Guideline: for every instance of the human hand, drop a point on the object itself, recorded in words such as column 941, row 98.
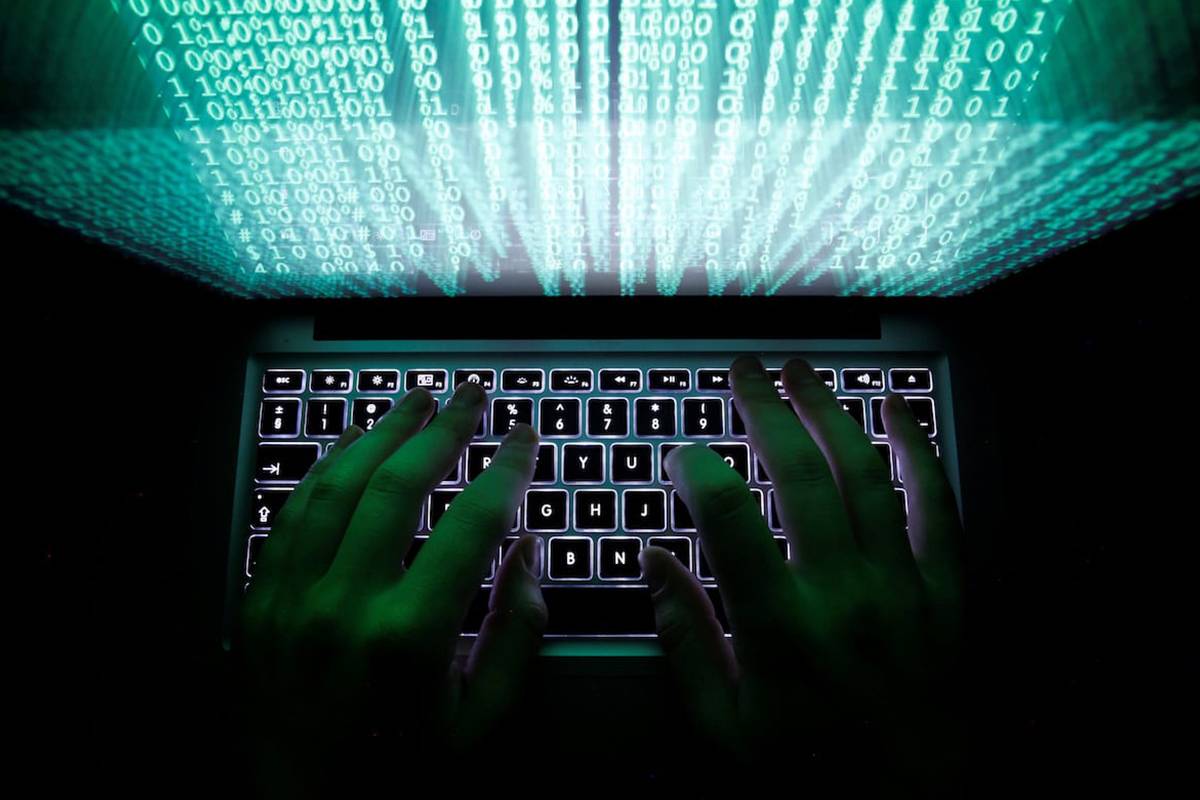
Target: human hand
column 343, row 644
column 851, row 647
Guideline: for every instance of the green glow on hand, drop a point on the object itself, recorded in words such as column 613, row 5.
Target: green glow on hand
column 387, row 147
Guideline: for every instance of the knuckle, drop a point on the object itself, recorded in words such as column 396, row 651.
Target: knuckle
column 330, row 488
column 800, row 469
column 396, row 478
column 473, row 510
column 868, row 471
column 723, row 498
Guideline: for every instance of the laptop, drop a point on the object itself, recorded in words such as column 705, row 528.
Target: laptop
column 590, row 208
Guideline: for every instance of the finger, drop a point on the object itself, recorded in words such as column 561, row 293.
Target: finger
column 288, row 523
column 381, row 528
column 509, row 639
column 697, row 653
column 934, row 528
column 755, row 583
column 454, row 559
column 395, row 428
column 863, row 477
column 806, row 497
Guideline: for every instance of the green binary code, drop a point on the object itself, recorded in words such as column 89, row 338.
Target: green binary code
column 399, row 147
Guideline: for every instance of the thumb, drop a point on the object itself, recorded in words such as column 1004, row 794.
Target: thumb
column 508, row 640
column 698, row 654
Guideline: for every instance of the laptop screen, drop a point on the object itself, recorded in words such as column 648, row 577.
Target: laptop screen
column 341, row 148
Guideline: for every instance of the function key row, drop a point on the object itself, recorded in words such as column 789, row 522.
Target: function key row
column 533, row 380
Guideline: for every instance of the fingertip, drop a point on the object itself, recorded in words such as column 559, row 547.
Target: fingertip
column 799, row 372
column 745, row 364
column 522, row 434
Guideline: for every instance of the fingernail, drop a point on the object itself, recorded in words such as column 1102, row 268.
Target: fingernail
column 652, row 569
column 747, row 366
column 669, row 461
column 529, row 554
column 418, row 400
column 523, row 433
column 469, row 394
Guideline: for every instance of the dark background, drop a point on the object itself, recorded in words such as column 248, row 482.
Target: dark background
column 1074, row 404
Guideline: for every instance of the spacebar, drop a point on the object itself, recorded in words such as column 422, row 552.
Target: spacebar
column 595, row 610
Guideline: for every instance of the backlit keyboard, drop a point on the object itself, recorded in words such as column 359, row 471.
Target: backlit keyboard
column 599, row 493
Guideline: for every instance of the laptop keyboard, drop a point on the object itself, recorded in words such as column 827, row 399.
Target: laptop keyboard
column 599, row 493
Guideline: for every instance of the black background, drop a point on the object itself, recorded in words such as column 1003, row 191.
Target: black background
column 1076, row 426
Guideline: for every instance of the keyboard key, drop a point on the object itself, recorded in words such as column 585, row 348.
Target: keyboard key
column 902, row 497
column 455, row 473
column 862, row 380
column 486, row 378
column 439, row 501
column 331, row 381
column 775, row 376
column 508, row 412
column 921, row 408
column 326, row 419
column 885, row 452
column 712, row 380
column 479, row 458
column 596, row 510
column 645, row 510
column 367, row 411
column 663, row 450
column 856, row 408
column 608, row 417
column 431, row 380
column 509, row 541
column 379, row 380
column 632, row 463
column 570, row 380
column 737, row 426
column 620, row 380
column 703, row 570
column 679, row 546
column 559, row 416
column 785, row 550
column 279, row 418
column 619, row 558
column 773, row 521
column 655, row 416
column 413, row 549
column 522, row 380
column 254, row 547
column 829, row 376
column 546, row 510
column 670, row 380
column 570, row 558
column 583, row 463
column 545, row 469
column 681, row 518
column 283, row 381
column 910, row 380
column 760, row 471
column 703, row 416
column 285, row 463
column 758, row 495
column 736, row 455
column 266, row 505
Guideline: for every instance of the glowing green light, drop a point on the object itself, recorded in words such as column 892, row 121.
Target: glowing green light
column 382, row 147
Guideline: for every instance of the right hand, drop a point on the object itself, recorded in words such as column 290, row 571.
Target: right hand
column 853, row 644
